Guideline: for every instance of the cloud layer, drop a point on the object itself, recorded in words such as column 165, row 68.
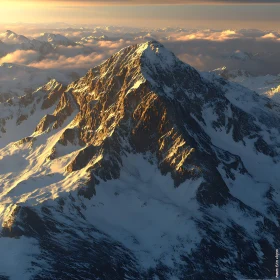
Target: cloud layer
column 252, row 50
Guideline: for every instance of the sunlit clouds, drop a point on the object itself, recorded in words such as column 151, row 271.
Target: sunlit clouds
column 205, row 49
column 269, row 36
column 210, row 35
column 20, row 57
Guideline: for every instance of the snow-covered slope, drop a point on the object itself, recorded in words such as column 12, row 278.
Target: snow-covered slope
column 17, row 80
column 13, row 38
column 12, row 41
column 142, row 169
column 268, row 85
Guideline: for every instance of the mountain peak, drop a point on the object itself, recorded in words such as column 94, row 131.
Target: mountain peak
column 52, row 35
column 150, row 50
column 55, row 39
column 159, row 65
column 150, row 63
column 156, row 53
column 6, row 34
column 231, row 73
column 153, row 47
column 11, row 37
column 141, row 137
column 152, row 44
column 10, row 32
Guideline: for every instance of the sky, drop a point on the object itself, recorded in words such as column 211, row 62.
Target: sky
column 184, row 13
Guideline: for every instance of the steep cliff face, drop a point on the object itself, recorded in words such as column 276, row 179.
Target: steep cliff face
column 143, row 169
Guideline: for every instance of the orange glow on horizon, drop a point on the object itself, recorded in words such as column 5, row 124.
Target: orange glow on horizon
column 32, row 3
column 126, row 13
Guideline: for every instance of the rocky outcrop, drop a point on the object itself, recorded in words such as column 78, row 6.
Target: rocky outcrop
column 45, row 123
column 54, row 90
column 71, row 136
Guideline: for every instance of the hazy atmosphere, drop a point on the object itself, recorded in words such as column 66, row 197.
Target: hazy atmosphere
column 187, row 14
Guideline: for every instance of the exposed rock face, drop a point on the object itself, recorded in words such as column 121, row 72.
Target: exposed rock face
column 55, row 91
column 70, row 135
column 145, row 131
column 232, row 74
column 45, row 123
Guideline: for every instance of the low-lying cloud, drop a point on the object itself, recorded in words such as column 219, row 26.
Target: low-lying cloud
column 20, row 57
column 74, row 62
column 253, row 50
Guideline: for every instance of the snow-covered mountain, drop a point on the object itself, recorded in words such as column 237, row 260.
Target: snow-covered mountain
column 56, row 39
column 17, row 80
column 232, row 74
column 12, row 41
column 90, row 39
column 142, row 169
column 268, row 85
column 241, row 55
column 13, row 38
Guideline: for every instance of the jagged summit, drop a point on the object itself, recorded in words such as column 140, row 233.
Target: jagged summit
column 152, row 51
column 12, row 37
column 149, row 62
column 10, row 32
column 151, row 54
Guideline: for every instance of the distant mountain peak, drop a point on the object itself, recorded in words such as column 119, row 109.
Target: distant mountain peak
column 56, row 39
column 144, row 160
column 23, row 43
column 241, row 55
column 9, row 32
column 231, row 73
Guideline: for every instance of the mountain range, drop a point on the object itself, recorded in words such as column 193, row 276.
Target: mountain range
column 267, row 85
column 10, row 41
column 56, row 40
column 45, row 46
column 144, row 168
